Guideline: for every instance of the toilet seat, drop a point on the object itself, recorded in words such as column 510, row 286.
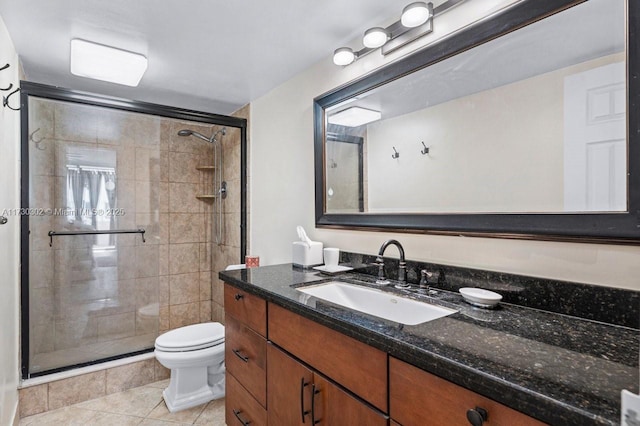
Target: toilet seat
column 191, row 338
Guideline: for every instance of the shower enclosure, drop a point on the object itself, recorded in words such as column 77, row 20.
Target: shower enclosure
column 122, row 223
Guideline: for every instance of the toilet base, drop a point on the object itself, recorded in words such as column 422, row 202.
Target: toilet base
column 189, row 387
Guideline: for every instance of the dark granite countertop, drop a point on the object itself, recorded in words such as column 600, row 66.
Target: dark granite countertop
column 560, row 369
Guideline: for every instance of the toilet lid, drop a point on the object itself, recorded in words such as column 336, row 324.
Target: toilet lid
column 191, row 338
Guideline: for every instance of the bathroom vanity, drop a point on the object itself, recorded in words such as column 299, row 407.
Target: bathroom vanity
column 294, row 359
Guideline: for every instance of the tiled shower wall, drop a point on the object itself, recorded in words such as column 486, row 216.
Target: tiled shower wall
column 82, row 308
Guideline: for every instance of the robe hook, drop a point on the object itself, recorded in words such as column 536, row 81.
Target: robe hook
column 396, row 154
column 5, row 100
column 425, row 150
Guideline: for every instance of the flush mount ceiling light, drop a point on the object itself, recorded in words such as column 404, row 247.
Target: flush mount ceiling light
column 354, row 117
column 106, row 63
column 416, row 21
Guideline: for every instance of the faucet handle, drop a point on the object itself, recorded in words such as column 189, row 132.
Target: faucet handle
column 428, row 277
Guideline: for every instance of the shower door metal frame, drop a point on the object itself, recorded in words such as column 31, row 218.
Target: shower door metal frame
column 38, row 90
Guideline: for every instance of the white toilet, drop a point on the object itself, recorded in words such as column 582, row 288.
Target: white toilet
column 195, row 355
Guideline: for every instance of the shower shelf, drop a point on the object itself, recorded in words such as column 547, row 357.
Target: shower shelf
column 206, row 168
column 206, row 197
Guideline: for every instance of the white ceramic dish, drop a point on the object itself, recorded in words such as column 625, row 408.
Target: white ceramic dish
column 332, row 269
column 480, row 297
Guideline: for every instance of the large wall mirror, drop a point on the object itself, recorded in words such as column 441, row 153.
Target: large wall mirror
column 524, row 125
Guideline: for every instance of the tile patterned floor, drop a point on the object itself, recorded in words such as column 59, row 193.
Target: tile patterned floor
column 141, row 406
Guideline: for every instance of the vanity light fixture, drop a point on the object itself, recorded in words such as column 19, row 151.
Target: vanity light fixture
column 416, row 21
column 106, row 63
column 354, row 117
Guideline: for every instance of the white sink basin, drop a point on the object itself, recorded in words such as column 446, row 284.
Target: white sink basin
column 376, row 302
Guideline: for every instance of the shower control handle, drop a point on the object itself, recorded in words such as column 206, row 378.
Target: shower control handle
column 3, row 220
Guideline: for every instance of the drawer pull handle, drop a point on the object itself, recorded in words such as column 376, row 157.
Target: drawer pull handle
column 237, row 414
column 239, row 355
column 302, row 410
column 238, row 296
column 314, row 392
column 477, row 416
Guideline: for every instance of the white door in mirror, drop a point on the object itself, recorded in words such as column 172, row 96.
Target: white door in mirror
column 480, row 297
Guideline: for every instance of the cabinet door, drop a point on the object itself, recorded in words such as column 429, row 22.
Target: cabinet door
column 418, row 398
column 334, row 407
column 288, row 389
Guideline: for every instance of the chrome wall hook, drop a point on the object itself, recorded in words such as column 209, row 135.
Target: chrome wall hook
column 5, row 67
column 5, row 100
column 425, row 150
column 395, row 154
column 7, row 88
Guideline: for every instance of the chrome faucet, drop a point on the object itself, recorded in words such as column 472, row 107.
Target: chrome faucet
column 402, row 266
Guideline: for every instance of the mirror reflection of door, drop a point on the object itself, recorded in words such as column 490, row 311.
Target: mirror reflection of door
column 595, row 140
column 344, row 174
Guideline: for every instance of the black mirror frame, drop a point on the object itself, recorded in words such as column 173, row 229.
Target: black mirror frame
column 617, row 228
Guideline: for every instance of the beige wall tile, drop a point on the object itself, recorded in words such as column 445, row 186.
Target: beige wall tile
column 147, row 261
column 217, row 312
column 163, row 290
column 185, row 227
column 184, row 288
column 163, row 320
column 163, row 197
column 165, row 133
column 182, row 167
column 151, row 223
column 184, row 258
column 126, row 262
column 126, row 162
column 205, row 311
column 75, row 122
column 181, row 315
column 205, row 285
column 41, row 268
column 76, row 389
column 41, row 310
column 182, row 198
column 73, row 334
column 217, row 290
column 34, row 400
column 163, row 256
column 205, row 256
column 164, row 166
column 147, row 291
column 130, row 376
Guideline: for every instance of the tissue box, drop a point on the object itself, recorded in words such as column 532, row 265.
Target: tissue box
column 305, row 256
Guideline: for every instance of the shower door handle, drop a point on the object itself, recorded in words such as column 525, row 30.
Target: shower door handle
column 3, row 220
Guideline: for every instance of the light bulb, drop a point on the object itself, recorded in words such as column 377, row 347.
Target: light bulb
column 343, row 56
column 375, row 37
column 415, row 14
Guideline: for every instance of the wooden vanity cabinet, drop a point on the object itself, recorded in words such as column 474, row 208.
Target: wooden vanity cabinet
column 245, row 358
column 418, row 398
column 299, row 396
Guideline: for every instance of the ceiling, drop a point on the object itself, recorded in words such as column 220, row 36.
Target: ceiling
column 207, row 55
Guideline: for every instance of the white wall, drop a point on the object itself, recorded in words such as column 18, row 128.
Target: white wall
column 282, row 193
column 9, row 235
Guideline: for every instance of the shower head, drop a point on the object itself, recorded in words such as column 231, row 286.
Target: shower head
column 186, row 132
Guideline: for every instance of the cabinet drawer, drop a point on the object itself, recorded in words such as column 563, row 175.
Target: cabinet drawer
column 245, row 358
column 247, row 308
column 240, row 407
column 355, row 365
column 420, row 398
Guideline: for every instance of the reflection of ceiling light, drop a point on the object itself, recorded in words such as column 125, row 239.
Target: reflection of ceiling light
column 415, row 14
column 375, row 37
column 354, row 117
column 343, row 56
column 106, row 63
